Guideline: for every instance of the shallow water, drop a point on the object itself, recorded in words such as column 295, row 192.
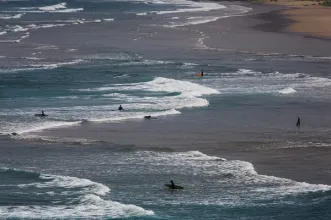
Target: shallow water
column 146, row 56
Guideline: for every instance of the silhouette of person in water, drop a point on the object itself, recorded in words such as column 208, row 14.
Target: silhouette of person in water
column 298, row 122
column 120, row 108
column 201, row 72
column 172, row 184
column 42, row 113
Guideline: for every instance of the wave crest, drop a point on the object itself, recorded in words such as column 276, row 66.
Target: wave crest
column 79, row 198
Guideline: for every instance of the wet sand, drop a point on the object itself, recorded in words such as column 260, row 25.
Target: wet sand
column 263, row 30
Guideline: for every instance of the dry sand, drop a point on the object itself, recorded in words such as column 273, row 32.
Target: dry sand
column 310, row 18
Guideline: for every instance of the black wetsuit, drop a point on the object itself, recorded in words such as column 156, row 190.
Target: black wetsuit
column 298, row 122
column 172, row 184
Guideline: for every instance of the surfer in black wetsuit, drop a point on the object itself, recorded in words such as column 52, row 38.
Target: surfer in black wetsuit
column 298, row 122
column 120, row 108
column 172, row 184
column 201, row 72
column 42, row 113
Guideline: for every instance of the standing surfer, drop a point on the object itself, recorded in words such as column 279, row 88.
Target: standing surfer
column 298, row 122
column 172, row 184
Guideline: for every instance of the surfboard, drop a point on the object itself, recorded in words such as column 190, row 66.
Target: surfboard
column 40, row 115
column 176, row 186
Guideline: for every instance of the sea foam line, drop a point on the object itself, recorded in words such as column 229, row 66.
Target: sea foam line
column 57, row 8
column 7, row 17
column 85, row 199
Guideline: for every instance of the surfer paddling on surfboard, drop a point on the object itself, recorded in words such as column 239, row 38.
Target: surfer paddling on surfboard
column 41, row 115
column 173, row 186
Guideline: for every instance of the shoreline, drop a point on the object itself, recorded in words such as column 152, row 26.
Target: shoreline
column 308, row 17
column 267, row 29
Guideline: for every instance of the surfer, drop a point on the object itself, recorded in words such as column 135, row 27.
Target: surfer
column 298, row 122
column 120, row 108
column 172, row 184
column 201, row 74
column 148, row 117
column 41, row 115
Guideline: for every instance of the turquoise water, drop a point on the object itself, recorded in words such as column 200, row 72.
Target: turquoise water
column 78, row 61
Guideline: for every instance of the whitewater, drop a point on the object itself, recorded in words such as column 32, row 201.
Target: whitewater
column 228, row 138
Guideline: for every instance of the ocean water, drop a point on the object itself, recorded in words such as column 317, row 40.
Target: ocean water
column 79, row 60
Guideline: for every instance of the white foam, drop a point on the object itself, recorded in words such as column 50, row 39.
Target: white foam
column 45, row 26
column 141, row 14
column 288, row 90
column 7, row 17
column 3, row 33
column 195, row 21
column 67, row 97
column 188, row 65
column 33, row 58
column 236, row 178
column 40, row 66
column 51, row 139
column 112, row 56
column 187, row 89
column 108, row 19
column 54, row 7
column 39, row 126
column 25, row 35
column 57, row 8
column 69, row 182
column 18, row 28
column 197, row 155
column 84, row 201
column 145, row 62
column 55, row 65
column 191, row 6
column 161, row 84
column 46, row 47
column 92, row 207
column 189, row 95
column 136, row 115
column 245, row 81
column 70, row 10
column 122, row 76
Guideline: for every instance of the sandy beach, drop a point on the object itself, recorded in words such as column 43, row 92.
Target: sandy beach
column 309, row 17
